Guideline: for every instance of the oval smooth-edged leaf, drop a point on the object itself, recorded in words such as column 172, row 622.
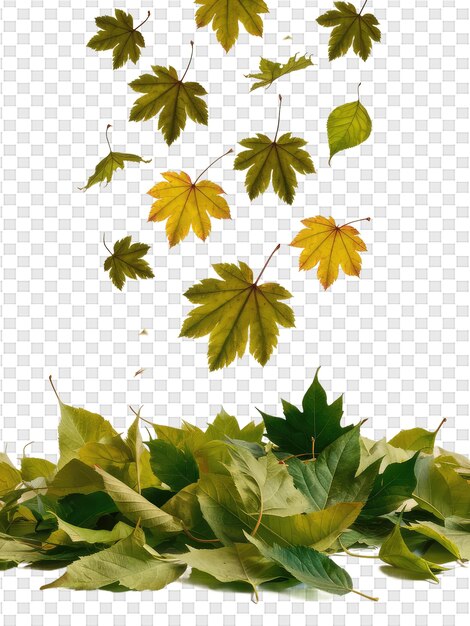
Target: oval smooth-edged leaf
column 348, row 126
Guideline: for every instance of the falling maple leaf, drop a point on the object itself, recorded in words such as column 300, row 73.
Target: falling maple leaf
column 106, row 167
column 126, row 261
column 331, row 246
column 269, row 71
column 186, row 204
column 350, row 28
column 231, row 307
column 277, row 159
column 175, row 99
column 225, row 15
column 118, row 34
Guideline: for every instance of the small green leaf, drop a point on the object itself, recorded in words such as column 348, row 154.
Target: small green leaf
column 350, row 28
column 451, row 536
column 118, row 34
column 126, row 262
column 226, row 426
column 416, row 439
column 348, row 126
column 113, row 161
column 269, row 71
column 395, row 552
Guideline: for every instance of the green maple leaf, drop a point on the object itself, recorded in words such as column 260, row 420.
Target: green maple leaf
column 231, row 307
column 126, row 261
column 319, row 421
column 269, row 71
column 118, row 34
column 276, row 159
column 350, row 28
column 348, row 126
column 332, row 477
column 170, row 96
column 113, row 161
column 225, row 15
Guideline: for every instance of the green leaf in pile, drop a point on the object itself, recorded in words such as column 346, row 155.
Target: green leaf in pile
column 125, row 261
column 264, row 485
column 127, row 562
column 273, row 159
column 318, row 424
column 88, row 535
column 269, row 71
column 176, row 100
column 32, row 468
column 440, row 490
column 176, row 467
column 451, row 536
column 119, row 35
column 75, row 477
column 84, row 509
column 15, row 551
column 372, row 451
column 331, row 478
column 348, row 126
column 77, row 427
column 458, row 462
column 309, row 567
column 225, row 425
column 239, row 562
column 416, row 439
column 391, row 488
column 396, row 553
column 224, row 511
column 350, row 28
column 136, row 508
column 113, row 161
column 10, row 477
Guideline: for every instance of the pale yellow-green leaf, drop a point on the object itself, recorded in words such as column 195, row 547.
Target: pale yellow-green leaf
column 348, row 126
column 127, row 562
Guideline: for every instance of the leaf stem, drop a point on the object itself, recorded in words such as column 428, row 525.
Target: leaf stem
column 359, row 556
column 363, row 6
column 148, row 15
column 364, row 595
column 278, row 118
column 104, row 243
column 441, row 425
column 358, row 90
column 190, row 59
column 54, row 389
column 213, row 163
column 362, row 219
column 260, row 516
column 267, row 262
column 107, row 139
column 191, row 536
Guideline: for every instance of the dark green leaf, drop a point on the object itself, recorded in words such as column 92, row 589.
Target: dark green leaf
column 126, row 262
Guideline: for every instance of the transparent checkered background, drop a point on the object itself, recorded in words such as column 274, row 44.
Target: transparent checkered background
column 396, row 341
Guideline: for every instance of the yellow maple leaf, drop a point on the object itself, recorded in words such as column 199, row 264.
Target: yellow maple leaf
column 186, row 204
column 329, row 245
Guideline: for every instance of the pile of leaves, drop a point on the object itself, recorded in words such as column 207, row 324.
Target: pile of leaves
column 277, row 500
